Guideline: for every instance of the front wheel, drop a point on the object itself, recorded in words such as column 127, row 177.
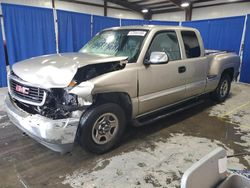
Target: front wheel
column 101, row 128
column 223, row 89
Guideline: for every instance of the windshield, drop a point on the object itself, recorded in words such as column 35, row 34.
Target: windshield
column 117, row 43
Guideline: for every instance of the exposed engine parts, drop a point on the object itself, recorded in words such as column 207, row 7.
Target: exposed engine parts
column 90, row 71
column 59, row 104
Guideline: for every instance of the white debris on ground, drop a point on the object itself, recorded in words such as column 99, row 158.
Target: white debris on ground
column 3, row 93
column 236, row 110
column 3, row 125
column 161, row 167
column 3, row 116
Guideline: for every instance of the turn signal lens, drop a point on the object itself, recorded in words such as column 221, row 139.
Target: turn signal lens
column 72, row 83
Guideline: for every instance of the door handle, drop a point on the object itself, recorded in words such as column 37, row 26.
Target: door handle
column 182, row 69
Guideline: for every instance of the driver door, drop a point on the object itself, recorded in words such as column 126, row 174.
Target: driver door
column 162, row 84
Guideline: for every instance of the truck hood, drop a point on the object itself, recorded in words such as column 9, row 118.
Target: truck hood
column 57, row 71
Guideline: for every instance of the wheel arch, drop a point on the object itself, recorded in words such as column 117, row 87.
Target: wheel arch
column 121, row 98
column 230, row 72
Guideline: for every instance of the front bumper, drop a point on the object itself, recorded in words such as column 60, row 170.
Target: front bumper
column 58, row 135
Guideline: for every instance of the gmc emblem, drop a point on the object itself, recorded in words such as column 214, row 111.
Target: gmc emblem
column 23, row 90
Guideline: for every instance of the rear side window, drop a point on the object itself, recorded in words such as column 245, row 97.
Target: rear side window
column 191, row 44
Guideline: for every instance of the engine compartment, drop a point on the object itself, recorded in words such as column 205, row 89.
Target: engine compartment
column 90, row 71
column 59, row 104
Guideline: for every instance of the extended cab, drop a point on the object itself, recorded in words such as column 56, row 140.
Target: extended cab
column 121, row 76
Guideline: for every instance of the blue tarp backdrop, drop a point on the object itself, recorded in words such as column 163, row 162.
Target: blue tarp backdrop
column 125, row 22
column 29, row 31
column 3, row 80
column 101, row 22
column 245, row 68
column 74, row 30
column 220, row 34
column 158, row 22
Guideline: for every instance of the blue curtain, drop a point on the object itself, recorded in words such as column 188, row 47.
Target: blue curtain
column 220, row 34
column 158, row 22
column 74, row 30
column 101, row 22
column 3, row 80
column 126, row 22
column 29, row 31
column 245, row 67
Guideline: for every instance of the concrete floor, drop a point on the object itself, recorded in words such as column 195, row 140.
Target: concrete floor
column 151, row 156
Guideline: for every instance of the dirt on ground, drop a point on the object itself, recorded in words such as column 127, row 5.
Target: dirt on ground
column 155, row 155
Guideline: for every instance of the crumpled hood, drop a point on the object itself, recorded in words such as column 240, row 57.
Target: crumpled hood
column 57, row 70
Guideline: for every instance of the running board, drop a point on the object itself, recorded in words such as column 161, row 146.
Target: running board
column 166, row 113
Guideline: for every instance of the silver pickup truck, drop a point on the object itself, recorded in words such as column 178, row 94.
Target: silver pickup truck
column 121, row 76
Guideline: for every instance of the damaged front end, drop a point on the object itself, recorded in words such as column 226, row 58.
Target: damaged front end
column 56, row 134
column 59, row 103
column 54, row 103
column 73, row 100
column 51, row 115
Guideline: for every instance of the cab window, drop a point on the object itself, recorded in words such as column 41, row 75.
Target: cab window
column 191, row 43
column 166, row 42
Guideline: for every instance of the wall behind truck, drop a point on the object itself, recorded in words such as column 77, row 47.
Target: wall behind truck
column 210, row 12
column 112, row 12
column 3, row 79
column 220, row 11
column 172, row 16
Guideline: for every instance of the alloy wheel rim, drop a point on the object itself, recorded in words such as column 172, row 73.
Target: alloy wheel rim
column 105, row 128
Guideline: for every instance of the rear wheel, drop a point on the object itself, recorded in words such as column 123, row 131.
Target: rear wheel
column 223, row 88
column 101, row 128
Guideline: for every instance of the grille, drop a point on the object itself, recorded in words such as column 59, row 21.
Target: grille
column 25, row 93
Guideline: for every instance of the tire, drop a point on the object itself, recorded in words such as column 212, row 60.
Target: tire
column 101, row 128
column 223, row 89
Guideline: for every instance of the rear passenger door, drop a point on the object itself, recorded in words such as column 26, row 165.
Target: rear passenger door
column 195, row 63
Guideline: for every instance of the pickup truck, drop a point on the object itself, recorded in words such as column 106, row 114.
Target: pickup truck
column 122, row 75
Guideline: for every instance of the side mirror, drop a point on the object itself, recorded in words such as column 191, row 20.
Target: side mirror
column 157, row 58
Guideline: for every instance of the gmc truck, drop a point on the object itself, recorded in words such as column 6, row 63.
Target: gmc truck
column 120, row 77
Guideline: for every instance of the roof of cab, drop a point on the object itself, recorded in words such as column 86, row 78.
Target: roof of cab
column 151, row 27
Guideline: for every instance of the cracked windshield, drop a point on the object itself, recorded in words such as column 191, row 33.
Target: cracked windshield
column 117, row 43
